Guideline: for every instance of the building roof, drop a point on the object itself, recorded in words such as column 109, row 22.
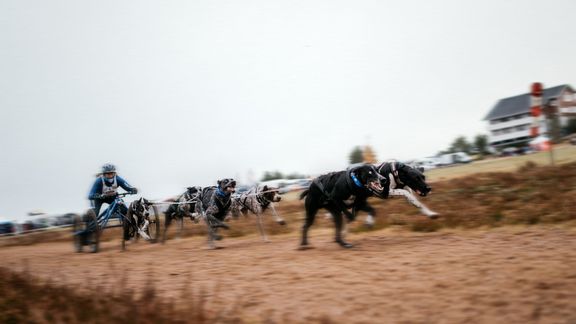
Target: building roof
column 521, row 103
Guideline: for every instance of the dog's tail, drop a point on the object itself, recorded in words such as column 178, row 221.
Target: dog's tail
column 304, row 193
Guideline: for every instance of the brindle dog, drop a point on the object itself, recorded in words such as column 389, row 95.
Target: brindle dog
column 213, row 204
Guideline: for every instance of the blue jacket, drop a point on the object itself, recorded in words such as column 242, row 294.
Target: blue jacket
column 97, row 187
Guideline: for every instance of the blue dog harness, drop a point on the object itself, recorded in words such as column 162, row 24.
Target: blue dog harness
column 220, row 193
column 356, row 181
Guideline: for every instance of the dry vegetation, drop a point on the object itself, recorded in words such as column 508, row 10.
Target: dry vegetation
column 530, row 195
column 533, row 194
column 27, row 299
column 562, row 154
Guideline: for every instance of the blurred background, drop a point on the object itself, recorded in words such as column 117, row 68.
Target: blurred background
column 183, row 93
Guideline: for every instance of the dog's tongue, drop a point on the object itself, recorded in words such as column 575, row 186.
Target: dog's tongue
column 376, row 186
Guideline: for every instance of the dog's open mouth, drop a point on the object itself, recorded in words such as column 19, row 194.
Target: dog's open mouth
column 376, row 186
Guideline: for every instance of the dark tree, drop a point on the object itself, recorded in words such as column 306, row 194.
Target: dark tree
column 296, row 175
column 481, row 144
column 272, row 175
column 460, row 144
column 356, row 156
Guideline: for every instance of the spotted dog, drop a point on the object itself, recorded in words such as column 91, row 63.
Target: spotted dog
column 138, row 220
column 213, row 204
column 402, row 180
column 185, row 207
column 337, row 192
column 256, row 201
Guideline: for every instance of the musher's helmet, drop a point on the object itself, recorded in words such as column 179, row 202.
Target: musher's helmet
column 107, row 168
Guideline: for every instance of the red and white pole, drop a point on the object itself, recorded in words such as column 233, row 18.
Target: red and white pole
column 536, row 108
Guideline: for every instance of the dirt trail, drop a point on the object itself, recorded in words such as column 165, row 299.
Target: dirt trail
column 509, row 275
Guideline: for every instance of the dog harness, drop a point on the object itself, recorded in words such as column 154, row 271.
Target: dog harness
column 356, row 181
column 263, row 201
column 259, row 198
column 395, row 181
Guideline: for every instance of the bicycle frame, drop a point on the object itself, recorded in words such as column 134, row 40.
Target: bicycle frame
column 111, row 211
column 105, row 216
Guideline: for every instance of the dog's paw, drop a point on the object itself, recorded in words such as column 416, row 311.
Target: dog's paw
column 433, row 215
column 345, row 244
column 369, row 221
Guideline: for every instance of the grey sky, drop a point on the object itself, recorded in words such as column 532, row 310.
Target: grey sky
column 179, row 93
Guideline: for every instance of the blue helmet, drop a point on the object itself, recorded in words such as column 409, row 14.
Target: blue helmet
column 107, row 168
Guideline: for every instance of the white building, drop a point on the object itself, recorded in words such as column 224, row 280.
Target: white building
column 509, row 121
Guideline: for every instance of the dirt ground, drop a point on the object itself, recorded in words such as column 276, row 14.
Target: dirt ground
column 505, row 275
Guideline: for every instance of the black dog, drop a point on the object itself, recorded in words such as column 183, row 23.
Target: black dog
column 256, row 201
column 401, row 179
column 213, row 205
column 138, row 221
column 333, row 190
column 185, row 206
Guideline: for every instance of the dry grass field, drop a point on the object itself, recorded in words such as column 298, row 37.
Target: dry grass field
column 504, row 251
column 562, row 154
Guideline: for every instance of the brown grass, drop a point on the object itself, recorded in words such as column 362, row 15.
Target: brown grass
column 562, row 154
column 27, row 299
column 529, row 194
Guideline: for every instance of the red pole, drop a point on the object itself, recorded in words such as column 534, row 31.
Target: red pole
column 535, row 108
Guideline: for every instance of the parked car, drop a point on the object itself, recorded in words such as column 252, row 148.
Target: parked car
column 453, row 158
column 27, row 226
column 287, row 185
column 7, row 227
column 66, row 219
column 425, row 163
column 241, row 189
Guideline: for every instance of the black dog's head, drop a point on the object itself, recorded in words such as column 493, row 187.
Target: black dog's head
column 192, row 193
column 368, row 177
column 413, row 178
column 228, row 186
column 141, row 207
column 271, row 194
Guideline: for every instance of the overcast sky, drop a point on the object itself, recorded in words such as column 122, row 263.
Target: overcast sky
column 179, row 93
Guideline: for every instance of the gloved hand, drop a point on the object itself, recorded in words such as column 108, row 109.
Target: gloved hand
column 133, row 191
